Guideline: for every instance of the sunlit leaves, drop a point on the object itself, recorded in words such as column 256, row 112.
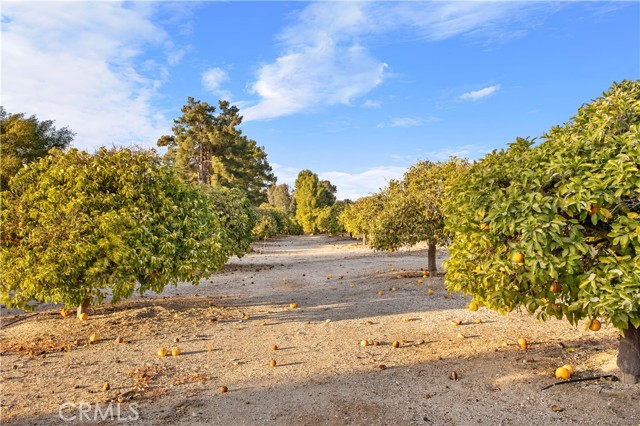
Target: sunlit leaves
column 77, row 226
column 571, row 205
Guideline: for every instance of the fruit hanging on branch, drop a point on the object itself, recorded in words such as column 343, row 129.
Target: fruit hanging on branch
column 565, row 223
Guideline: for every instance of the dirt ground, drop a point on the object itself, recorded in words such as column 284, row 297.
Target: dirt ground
column 441, row 373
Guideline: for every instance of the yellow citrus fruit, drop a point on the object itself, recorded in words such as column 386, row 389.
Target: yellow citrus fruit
column 64, row 313
column 380, row 293
column 420, row 281
column 563, row 373
column 119, row 340
column 293, row 305
column 162, row 352
column 473, row 306
column 396, row 344
column 430, row 292
column 273, row 363
column 522, row 342
column 106, row 387
column 517, row 257
column 94, row 338
column 83, row 316
column 569, row 368
column 175, row 351
column 223, row 389
column 274, row 347
column 555, row 287
column 364, row 343
column 595, row 325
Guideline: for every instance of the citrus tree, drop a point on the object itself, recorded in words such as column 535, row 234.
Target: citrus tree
column 555, row 227
column 359, row 218
column 412, row 208
column 78, row 227
column 237, row 217
column 327, row 220
column 272, row 221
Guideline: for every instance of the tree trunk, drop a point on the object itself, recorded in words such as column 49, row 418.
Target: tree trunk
column 83, row 307
column 364, row 239
column 629, row 355
column 431, row 259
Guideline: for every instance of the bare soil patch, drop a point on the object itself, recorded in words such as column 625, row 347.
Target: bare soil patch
column 324, row 375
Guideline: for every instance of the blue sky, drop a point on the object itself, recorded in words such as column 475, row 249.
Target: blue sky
column 355, row 91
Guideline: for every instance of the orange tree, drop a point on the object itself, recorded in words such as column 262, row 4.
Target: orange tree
column 555, row 227
column 412, row 208
column 328, row 218
column 273, row 221
column 78, row 227
column 359, row 218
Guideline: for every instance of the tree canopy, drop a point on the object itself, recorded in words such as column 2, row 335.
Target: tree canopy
column 279, row 196
column 210, row 149
column 555, row 227
column 311, row 196
column 408, row 211
column 26, row 139
column 76, row 226
column 359, row 218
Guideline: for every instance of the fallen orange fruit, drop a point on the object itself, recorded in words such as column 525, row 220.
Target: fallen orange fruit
column 563, row 373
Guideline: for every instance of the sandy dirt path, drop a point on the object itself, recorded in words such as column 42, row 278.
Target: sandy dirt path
column 226, row 327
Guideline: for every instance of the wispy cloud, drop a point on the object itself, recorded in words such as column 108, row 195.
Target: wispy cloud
column 409, row 122
column 325, row 59
column 350, row 185
column 479, row 94
column 470, row 151
column 212, row 80
column 81, row 64
column 371, row 104
column 356, row 185
column 324, row 64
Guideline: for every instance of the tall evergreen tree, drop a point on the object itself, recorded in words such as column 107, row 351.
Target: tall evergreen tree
column 311, row 196
column 210, row 149
column 279, row 196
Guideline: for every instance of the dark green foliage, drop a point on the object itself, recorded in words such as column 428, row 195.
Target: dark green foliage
column 570, row 205
column 210, row 149
column 26, row 139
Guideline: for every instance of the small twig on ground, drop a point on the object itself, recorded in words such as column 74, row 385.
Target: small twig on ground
column 19, row 319
column 584, row 379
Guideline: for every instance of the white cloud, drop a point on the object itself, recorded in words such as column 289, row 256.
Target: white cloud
column 356, row 185
column 479, row 94
column 80, row 64
column 323, row 64
column 325, row 61
column 409, row 122
column 470, row 151
column 350, row 185
column 212, row 79
column 371, row 104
